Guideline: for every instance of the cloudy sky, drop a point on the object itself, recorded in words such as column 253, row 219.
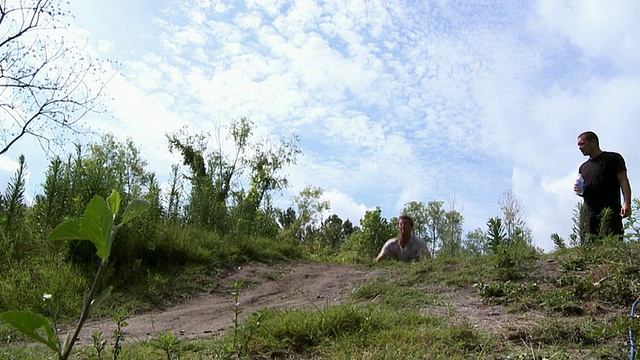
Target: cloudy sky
column 393, row 101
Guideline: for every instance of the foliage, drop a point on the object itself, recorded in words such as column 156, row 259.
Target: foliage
column 310, row 209
column 476, row 242
column 496, row 235
column 515, row 261
column 167, row 342
column 216, row 177
column 580, row 233
column 558, row 241
column 13, row 210
column 97, row 226
column 367, row 240
column 333, row 232
column 452, row 233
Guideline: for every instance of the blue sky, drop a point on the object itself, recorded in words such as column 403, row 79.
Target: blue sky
column 393, row 101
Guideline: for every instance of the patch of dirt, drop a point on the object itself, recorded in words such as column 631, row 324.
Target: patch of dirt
column 294, row 285
column 307, row 285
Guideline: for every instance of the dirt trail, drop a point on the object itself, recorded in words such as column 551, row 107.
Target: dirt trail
column 267, row 286
column 292, row 286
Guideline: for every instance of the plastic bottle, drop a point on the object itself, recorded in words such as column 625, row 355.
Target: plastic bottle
column 580, row 183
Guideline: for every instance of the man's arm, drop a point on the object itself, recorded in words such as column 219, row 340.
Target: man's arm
column 626, row 193
column 384, row 252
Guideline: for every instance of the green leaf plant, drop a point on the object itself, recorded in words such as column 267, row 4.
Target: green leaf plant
column 97, row 226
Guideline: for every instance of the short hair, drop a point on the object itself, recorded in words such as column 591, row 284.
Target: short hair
column 406, row 217
column 590, row 136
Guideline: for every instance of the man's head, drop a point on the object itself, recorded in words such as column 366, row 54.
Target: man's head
column 588, row 143
column 405, row 224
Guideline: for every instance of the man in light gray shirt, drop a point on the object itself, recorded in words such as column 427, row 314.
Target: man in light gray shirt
column 406, row 246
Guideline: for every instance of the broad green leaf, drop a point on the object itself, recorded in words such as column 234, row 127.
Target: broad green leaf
column 100, row 298
column 29, row 324
column 134, row 208
column 96, row 225
column 68, row 230
column 114, row 202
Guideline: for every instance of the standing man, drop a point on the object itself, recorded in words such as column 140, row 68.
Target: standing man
column 406, row 246
column 605, row 173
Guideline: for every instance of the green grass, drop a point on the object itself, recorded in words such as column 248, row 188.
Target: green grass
column 576, row 302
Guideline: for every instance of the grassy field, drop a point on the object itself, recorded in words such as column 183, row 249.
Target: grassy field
column 571, row 304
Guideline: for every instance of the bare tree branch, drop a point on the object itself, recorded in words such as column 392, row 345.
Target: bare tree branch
column 47, row 84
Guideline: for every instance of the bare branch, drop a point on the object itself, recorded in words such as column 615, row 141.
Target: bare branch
column 47, row 84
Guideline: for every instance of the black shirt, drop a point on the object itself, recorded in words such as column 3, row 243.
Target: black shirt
column 601, row 185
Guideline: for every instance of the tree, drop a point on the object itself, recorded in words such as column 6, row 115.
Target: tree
column 332, row 232
column 12, row 207
column 435, row 221
column 513, row 218
column 265, row 165
column 217, row 177
column 47, row 84
column 348, row 228
column 310, row 208
column 377, row 230
column 476, row 242
column 420, row 215
column 452, row 233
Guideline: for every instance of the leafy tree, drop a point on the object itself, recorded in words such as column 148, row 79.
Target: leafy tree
column 452, row 233
column 206, row 206
column 120, row 164
column 216, row 177
column 476, row 242
column 106, row 166
column 376, row 230
column 310, row 208
column 348, row 228
column 265, row 166
column 332, row 232
column 46, row 82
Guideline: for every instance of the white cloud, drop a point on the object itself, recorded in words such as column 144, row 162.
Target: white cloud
column 7, row 164
column 344, row 205
column 393, row 102
column 601, row 29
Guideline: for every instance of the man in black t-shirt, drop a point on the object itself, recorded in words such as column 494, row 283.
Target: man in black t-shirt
column 605, row 173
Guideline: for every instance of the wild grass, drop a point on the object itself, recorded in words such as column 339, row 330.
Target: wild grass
column 385, row 318
column 575, row 301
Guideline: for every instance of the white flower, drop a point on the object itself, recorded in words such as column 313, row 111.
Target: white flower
column 46, row 297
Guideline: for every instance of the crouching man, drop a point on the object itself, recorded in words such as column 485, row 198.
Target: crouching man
column 406, row 246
